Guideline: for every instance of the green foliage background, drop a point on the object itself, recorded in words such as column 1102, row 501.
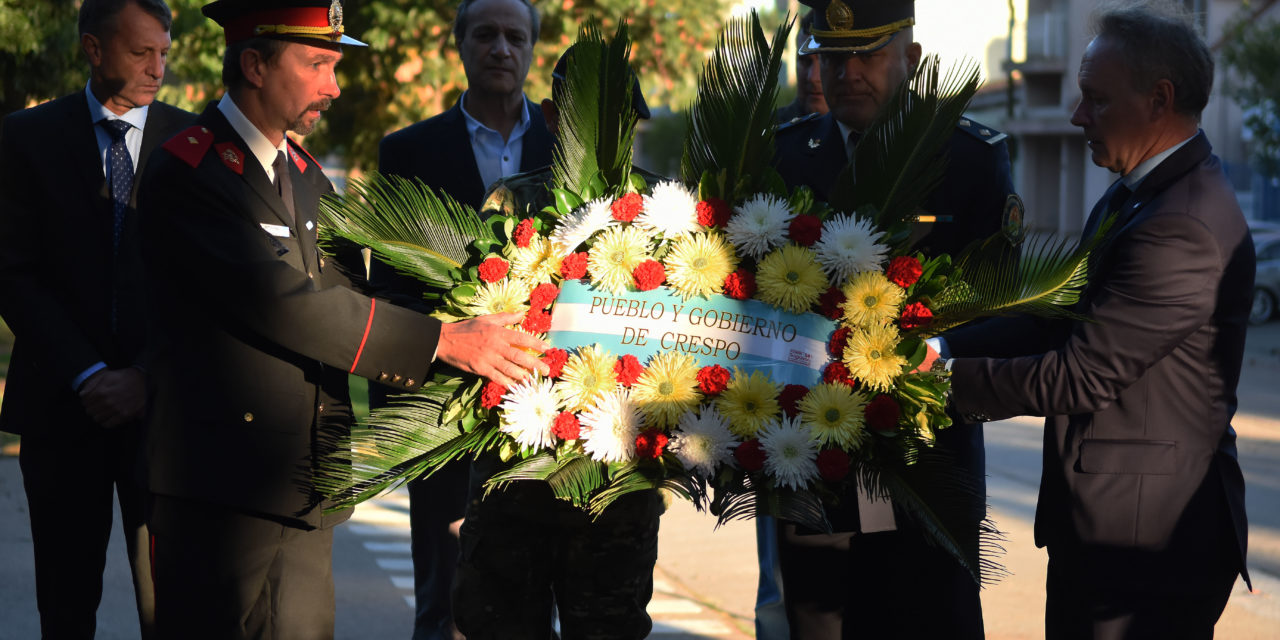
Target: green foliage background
column 409, row 72
column 1253, row 53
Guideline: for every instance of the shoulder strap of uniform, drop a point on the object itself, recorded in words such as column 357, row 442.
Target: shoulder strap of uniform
column 190, row 145
column 981, row 131
column 799, row 120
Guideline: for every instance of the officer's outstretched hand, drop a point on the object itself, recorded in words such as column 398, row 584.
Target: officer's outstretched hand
column 485, row 347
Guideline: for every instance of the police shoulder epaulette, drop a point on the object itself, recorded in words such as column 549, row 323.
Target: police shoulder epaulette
column 981, row 131
column 190, row 145
column 799, row 120
column 297, row 160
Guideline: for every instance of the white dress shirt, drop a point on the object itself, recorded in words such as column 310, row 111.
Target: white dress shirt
column 495, row 157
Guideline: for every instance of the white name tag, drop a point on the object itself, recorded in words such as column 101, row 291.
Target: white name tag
column 277, row 230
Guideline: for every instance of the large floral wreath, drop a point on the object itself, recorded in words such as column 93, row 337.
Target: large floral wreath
column 730, row 240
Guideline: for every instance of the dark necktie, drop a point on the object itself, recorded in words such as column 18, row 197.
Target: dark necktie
column 284, row 184
column 119, row 174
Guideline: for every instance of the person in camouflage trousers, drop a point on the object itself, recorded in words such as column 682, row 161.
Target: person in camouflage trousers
column 527, row 556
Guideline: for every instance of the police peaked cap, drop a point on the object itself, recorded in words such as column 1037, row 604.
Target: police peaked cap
column 306, row 21
column 856, row 26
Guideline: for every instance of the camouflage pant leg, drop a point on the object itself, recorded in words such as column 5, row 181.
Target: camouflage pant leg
column 502, row 588
column 604, row 578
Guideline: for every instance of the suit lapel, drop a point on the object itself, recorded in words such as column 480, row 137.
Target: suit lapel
column 81, row 143
column 253, row 174
column 470, row 185
column 535, row 152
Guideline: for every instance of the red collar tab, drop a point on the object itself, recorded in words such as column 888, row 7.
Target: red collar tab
column 231, row 156
column 190, row 145
column 319, row 23
column 297, row 158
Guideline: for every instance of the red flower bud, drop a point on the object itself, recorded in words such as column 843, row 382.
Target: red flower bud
column 790, row 398
column 574, row 266
column 628, row 370
column 740, row 285
column 831, row 301
column 649, row 275
column 492, row 394
column 806, row 229
column 626, row 208
column 713, row 379
column 904, row 271
column 493, row 269
column 543, row 295
column 651, row 443
column 750, row 455
column 524, row 233
column 882, row 414
column 915, row 315
column 833, row 464
column 554, row 359
column 713, row 212
column 566, row 427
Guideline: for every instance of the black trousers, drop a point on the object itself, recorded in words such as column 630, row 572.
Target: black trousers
column 226, row 575
column 1120, row 594
column 435, row 503
column 891, row 585
column 69, row 482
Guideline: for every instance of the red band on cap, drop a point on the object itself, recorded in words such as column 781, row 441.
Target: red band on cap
column 245, row 26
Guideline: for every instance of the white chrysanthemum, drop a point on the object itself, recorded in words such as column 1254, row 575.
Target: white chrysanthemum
column 791, row 453
column 610, row 427
column 529, row 412
column 758, row 225
column 848, row 245
column 670, row 210
column 578, row 227
column 703, row 441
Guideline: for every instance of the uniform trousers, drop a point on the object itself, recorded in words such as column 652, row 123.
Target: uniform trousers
column 525, row 551
column 69, row 482
column 222, row 574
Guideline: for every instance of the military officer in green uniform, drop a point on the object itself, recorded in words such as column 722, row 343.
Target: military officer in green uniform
column 891, row 583
column 256, row 335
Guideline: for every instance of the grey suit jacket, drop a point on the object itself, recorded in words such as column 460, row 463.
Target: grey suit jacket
column 1139, row 452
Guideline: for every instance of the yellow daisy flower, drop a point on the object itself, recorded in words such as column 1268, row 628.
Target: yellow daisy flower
column 667, row 388
column 871, row 358
column 871, row 300
column 616, row 253
column 834, row 414
column 509, row 295
column 791, row 278
column 537, row 262
column 749, row 402
column 587, row 374
column 698, row 264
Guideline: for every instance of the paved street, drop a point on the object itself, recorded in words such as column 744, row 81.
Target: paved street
column 705, row 581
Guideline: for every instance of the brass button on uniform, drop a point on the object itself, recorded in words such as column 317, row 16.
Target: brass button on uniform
column 248, row 417
column 382, row 377
column 320, row 408
column 409, row 382
column 396, row 378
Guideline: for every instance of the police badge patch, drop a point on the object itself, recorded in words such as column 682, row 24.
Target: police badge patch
column 1014, row 214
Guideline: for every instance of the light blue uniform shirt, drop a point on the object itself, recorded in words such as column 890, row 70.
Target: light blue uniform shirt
column 495, row 157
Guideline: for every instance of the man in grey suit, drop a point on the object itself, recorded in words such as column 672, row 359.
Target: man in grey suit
column 1141, row 502
column 71, row 289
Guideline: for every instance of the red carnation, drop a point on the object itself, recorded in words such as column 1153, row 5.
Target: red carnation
column 790, row 398
column 833, row 465
column 493, row 269
column 651, row 443
column 750, row 455
column 831, row 301
column 543, row 295
column 836, row 372
column 915, row 315
column 536, row 322
column 740, row 285
column 626, row 208
column 882, row 414
column 492, row 394
column 806, row 229
column 649, row 274
column 566, row 427
column 904, row 271
column 628, row 370
column 839, row 338
column 713, row 212
column 713, row 379
column 554, row 359
column 524, row 233
column 574, row 266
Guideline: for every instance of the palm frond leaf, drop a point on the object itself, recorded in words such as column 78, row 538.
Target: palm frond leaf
column 406, row 224
column 1045, row 278
column 571, row 478
column 730, row 125
column 901, row 157
column 597, row 124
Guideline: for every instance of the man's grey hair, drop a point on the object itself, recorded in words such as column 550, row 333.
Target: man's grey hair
column 1159, row 41
column 460, row 22
column 100, row 17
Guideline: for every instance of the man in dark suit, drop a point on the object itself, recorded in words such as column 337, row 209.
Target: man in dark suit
column 71, row 289
column 1141, row 501
column 492, row 132
column 851, row 583
column 256, row 335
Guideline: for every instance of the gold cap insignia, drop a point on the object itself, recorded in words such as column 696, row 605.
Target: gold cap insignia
column 839, row 16
column 335, row 15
